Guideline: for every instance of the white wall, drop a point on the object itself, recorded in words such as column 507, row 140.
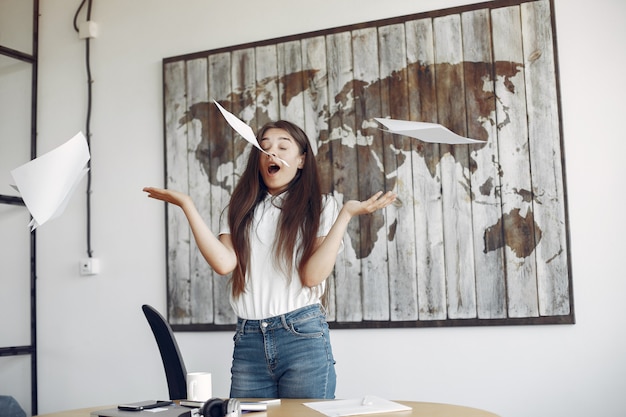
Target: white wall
column 95, row 347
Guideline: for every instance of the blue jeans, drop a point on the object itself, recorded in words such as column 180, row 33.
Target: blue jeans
column 287, row 356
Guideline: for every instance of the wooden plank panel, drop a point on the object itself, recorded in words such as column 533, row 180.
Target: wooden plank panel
column 316, row 127
column 400, row 217
column 221, row 176
column 267, row 86
column 290, row 82
column 484, row 168
column 198, row 151
column 344, row 163
column 458, row 232
column 431, row 284
column 373, row 251
column 178, row 250
column 546, row 166
column 317, row 113
column 517, row 218
column 316, row 90
column 243, row 97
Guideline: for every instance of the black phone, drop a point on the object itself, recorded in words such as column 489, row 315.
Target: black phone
column 144, row 405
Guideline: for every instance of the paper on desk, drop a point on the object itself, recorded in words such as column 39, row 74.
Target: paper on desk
column 243, row 129
column 427, row 132
column 366, row 405
column 47, row 183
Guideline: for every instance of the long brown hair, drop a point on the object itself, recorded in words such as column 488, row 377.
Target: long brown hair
column 300, row 214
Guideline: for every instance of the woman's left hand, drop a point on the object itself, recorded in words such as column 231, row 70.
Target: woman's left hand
column 375, row 202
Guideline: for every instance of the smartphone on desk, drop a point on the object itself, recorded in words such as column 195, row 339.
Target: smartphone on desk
column 144, row 405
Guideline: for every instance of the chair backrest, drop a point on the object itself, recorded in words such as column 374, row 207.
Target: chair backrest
column 173, row 363
column 9, row 407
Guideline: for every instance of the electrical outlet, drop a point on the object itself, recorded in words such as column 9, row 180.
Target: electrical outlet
column 89, row 266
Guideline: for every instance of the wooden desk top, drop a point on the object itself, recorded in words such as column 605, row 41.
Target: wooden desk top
column 295, row 408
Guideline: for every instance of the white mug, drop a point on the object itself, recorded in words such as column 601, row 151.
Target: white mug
column 199, row 386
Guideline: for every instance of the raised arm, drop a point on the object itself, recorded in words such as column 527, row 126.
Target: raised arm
column 219, row 253
column 321, row 264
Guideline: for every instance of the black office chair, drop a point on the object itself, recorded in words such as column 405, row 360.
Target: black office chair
column 173, row 363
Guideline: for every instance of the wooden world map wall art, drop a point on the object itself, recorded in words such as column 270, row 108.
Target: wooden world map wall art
column 479, row 235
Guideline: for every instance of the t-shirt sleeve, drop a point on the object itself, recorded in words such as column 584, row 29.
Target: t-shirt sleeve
column 330, row 211
column 224, row 227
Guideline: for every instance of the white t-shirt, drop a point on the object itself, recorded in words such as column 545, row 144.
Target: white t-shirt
column 268, row 291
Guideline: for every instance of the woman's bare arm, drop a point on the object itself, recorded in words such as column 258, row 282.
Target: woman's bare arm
column 219, row 253
column 322, row 262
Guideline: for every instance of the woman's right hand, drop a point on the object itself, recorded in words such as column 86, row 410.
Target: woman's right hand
column 218, row 252
column 169, row 196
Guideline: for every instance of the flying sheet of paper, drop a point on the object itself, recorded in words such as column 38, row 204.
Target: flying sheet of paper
column 243, row 129
column 427, row 132
column 47, row 183
column 353, row 407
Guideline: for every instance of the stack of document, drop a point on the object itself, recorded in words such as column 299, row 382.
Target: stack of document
column 366, row 405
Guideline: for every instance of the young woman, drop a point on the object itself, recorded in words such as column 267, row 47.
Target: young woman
column 280, row 240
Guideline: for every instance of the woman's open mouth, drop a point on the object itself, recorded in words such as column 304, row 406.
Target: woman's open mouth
column 273, row 169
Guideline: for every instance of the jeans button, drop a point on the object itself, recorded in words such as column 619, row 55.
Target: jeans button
column 264, row 324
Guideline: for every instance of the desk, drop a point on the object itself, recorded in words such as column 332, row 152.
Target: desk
column 294, row 408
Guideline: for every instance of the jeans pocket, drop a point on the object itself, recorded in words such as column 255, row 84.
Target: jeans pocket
column 310, row 327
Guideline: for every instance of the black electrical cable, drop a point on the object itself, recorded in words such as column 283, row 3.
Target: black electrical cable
column 76, row 15
column 88, row 118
